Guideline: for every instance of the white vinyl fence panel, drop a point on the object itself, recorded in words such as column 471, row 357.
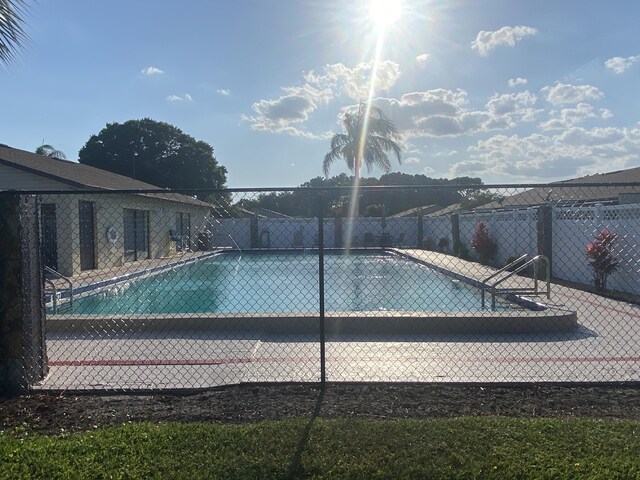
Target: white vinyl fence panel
column 288, row 232
column 367, row 231
column 437, row 228
column 575, row 227
column 224, row 231
column 515, row 232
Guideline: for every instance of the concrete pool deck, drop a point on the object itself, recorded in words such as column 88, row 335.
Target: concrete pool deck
column 605, row 347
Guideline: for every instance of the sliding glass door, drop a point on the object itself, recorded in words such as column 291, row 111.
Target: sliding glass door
column 136, row 235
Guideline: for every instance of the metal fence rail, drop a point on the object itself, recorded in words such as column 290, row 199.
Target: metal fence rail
column 166, row 290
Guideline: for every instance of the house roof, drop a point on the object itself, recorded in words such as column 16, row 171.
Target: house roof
column 590, row 190
column 453, row 208
column 412, row 212
column 81, row 177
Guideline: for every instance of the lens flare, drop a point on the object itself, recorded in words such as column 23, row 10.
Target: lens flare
column 384, row 13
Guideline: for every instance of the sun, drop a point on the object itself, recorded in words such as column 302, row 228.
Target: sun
column 384, row 13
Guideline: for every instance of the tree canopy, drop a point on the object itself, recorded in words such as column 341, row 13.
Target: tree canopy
column 299, row 203
column 156, row 153
column 369, row 136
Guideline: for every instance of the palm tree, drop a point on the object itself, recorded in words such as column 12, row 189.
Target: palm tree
column 49, row 151
column 370, row 135
column 12, row 35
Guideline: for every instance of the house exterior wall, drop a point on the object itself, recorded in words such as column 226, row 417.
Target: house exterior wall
column 109, row 212
column 15, row 179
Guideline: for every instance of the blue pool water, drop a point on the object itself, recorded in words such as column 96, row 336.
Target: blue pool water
column 286, row 283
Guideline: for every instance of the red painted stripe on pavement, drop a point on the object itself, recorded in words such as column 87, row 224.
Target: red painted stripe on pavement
column 609, row 308
column 233, row 361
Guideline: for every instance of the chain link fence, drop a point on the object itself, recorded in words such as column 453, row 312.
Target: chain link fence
column 163, row 290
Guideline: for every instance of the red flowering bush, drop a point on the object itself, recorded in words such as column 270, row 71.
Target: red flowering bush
column 601, row 259
column 484, row 244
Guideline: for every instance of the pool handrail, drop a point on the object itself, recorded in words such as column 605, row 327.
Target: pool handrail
column 54, row 297
column 66, row 279
column 534, row 262
column 498, row 272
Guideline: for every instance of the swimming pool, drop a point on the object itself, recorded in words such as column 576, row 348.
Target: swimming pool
column 275, row 283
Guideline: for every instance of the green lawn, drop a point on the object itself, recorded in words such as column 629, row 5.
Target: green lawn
column 439, row 448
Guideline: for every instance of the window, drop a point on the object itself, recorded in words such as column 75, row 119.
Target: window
column 183, row 231
column 136, row 235
column 49, row 243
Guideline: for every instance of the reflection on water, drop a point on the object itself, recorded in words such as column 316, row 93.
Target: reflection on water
column 277, row 282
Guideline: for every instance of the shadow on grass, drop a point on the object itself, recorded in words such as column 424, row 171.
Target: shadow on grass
column 294, row 468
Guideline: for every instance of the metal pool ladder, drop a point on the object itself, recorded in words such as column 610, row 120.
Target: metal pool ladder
column 535, row 261
column 54, row 289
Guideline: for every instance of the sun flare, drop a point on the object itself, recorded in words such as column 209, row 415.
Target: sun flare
column 384, row 13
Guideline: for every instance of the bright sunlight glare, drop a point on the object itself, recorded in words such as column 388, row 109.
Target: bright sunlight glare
column 384, row 13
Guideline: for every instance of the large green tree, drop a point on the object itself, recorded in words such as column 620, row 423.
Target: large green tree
column 156, row 153
column 12, row 34
column 303, row 203
column 369, row 136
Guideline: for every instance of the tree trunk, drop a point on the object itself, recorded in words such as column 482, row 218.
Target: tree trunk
column 355, row 197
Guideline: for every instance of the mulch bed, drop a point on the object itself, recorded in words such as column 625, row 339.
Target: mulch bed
column 54, row 413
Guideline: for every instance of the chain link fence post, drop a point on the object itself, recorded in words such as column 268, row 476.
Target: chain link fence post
column 323, row 362
column 23, row 359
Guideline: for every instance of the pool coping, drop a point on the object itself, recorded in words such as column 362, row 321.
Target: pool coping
column 387, row 322
column 534, row 318
column 509, row 297
column 147, row 272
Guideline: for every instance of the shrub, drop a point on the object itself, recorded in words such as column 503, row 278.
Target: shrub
column 428, row 244
column 443, row 244
column 601, row 259
column 484, row 244
column 461, row 251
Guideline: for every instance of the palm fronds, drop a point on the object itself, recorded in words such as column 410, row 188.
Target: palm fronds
column 380, row 136
column 12, row 34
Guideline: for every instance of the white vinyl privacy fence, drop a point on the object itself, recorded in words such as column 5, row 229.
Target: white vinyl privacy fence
column 515, row 231
column 575, row 227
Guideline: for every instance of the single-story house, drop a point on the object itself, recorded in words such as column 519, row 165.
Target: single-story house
column 100, row 229
column 415, row 211
column 590, row 191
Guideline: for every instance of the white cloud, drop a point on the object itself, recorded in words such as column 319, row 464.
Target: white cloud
column 569, row 117
column 573, row 152
column 446, row 153
column 427, row 170
column 487, row 41
column 421, row 59
column 224, row 91
column 411, row 160
column 605, row 114
column 354, row 82
column 151, row 71
column 288, row 112
column 445, row 113
column 562, row 93
column 514, row 82
column 509, row 109
column 281, row 114
column 180, row 98
column 620, row 64
column 580, row 137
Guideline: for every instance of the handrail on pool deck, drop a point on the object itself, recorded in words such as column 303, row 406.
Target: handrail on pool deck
column 534, row 261
column 66, row 279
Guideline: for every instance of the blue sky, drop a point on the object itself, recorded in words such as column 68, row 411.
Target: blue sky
column 507, row 90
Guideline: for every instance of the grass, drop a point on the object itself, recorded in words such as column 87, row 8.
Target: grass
column 485, row 447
